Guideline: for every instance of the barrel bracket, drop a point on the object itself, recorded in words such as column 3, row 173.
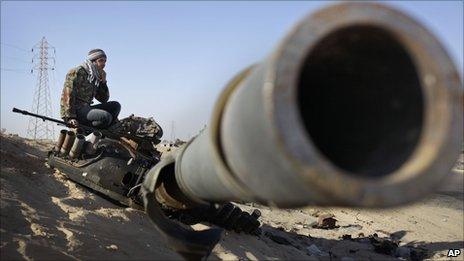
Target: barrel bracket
column 192, row 245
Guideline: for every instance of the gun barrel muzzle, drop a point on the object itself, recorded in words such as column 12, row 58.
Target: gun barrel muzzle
column 359, row 105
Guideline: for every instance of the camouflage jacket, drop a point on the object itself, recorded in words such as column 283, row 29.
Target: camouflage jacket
column 79, row 92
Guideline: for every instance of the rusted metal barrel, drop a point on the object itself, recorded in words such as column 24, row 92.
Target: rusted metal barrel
column 359, row 105
column 68, row 142
column 60, row 141
column 77, row 146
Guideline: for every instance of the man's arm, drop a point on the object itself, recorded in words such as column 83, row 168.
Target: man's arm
column 103, row 94
column 68, row 97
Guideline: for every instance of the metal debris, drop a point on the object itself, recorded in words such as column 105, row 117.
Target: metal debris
column 326, row 221
column 347, row 237
column 383, row 245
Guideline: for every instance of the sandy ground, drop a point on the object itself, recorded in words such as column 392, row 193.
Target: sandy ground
column 46, row 217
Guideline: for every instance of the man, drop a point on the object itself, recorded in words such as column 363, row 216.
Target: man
column 84, row 83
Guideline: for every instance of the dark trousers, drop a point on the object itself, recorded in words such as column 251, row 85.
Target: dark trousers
column 99, row 116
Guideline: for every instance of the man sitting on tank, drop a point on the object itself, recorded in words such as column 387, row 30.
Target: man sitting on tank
column 82, row 84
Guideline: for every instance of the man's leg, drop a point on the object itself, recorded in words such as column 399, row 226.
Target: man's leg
column 99, row 118
column 100, row 115
column 82, row 115
column 113, row 107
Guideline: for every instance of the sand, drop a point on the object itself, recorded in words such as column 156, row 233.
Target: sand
column 44, row 216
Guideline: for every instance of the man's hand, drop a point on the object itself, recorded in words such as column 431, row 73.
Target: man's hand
column 73, row 123
column 102, row 75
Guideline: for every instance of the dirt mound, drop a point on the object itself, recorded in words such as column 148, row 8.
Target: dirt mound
column 46, row 216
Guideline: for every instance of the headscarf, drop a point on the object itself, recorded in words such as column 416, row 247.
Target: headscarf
column 92, row 71
column 95, row 54
column 90, row 66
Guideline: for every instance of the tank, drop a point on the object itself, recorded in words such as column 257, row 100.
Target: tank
column 358, row 106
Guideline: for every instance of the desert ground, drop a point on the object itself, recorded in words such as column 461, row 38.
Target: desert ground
column 44, row 216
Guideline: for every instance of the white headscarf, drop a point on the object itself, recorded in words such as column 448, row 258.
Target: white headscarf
column 94, row 75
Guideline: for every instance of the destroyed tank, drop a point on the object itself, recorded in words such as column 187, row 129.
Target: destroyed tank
column 115, row 167
column 358, row 106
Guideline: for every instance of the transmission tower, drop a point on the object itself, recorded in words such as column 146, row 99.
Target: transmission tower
column 41, row 104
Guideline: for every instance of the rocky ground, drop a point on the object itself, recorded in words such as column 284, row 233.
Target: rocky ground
column 45, row 216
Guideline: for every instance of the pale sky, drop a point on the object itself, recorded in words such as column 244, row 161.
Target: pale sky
column 167, row 60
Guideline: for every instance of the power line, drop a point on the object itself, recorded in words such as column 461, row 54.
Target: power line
column 16, row 47
column 15, row 71
column 15, row 58
column 23, row 71
column 10, row 69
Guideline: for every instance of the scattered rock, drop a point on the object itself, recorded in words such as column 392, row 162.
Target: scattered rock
column 298, row 226
column 315, row 251
column 309, row 222
column 112, row 247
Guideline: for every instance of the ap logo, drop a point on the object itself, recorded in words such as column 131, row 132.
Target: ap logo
column 454, row 252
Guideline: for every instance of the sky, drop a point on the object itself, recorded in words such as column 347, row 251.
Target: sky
column 166, row 60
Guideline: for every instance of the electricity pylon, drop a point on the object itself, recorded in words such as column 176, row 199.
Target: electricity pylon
column 42, row 104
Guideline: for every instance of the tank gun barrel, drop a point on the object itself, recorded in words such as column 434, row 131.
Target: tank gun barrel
column 359, row 105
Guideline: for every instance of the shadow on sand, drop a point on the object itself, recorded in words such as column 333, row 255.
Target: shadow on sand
column 274, row 243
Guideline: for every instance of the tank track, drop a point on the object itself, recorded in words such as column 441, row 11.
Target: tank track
column 227, row 216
